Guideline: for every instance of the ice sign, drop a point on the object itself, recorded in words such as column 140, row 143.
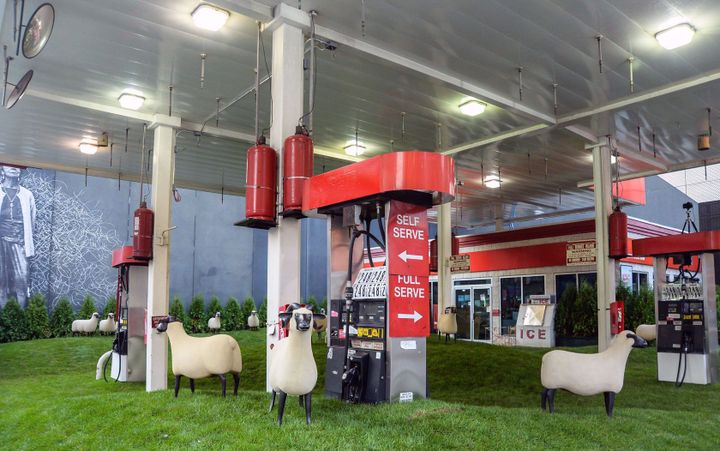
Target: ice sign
column 371, row 283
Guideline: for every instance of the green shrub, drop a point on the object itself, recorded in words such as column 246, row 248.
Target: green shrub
column 197, row 322
column 38, row 322
column 232, row 316
column 639, row 307
column 213, row 307
column 14, row 321
column 247, row 308
column 3, row 338
column 62, row 318
column 110, row 305
column 585, row 314
column 177, row 310
column 87, row 309
column 564, row 313
column 262, row 312
column 312, row 304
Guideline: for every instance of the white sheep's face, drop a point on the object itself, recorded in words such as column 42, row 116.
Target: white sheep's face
column 96, row 315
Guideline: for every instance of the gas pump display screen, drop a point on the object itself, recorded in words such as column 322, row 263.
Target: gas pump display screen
column 534, row 315
column 371, row 313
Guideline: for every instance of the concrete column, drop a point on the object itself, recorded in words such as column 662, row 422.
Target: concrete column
column 284, row 251
column 605, row 265
column 444, row 237
column 158, row 287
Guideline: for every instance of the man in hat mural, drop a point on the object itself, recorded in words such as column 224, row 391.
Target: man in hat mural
column 17, row 217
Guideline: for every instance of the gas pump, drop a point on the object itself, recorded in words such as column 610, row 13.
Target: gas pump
column 687, row 337
column 379, row 315
column 128, row 349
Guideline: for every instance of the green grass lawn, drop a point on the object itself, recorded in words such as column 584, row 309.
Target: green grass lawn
column 482, row 397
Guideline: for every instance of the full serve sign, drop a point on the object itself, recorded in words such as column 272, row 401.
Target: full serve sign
column 408, row 270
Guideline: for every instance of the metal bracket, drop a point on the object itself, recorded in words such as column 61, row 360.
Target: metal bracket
column 164, row 239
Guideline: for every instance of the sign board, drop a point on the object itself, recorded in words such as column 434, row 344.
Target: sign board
column 578, row 253
column 459, row 263
column 371, row 283
column 536, row 325
column 408, row 271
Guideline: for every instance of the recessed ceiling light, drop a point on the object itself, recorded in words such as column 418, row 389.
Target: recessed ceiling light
column 354, row 148
column 676, row 36
column 88, row 147
column 472, row 107
column 492, row 181
column 209, row 17
column 131, row 99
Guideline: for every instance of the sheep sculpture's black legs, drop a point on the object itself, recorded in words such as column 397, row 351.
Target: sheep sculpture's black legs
column 236, row 381
column 609, row 403
column 308, row 406
column 223, row 383
column 177, row 384
column 547, row 399
column 281, row 407
column 272, row 401
column 300, row 400
column 192, row 385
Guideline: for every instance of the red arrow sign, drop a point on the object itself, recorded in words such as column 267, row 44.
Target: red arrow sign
column 407, row 239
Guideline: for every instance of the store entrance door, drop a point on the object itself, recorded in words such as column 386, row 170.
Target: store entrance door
column 474, row 317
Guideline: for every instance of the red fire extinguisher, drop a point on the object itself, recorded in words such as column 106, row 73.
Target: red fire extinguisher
column 143, row 223
column 297, row 167
column 618, row 231
column 617, row 317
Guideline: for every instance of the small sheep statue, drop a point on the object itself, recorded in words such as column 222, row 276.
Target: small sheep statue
column 447, row 323
column 195, row 357
column 588, row 374
column 293, row 370
column 253, row 321
column 320, row 324
column 647, row 332
column 214, row 323
column 86, row 326
column 108, row 326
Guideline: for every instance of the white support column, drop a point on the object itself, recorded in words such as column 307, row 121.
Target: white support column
column 284, row 255
column 605, row 265
column 444, row 237
column 158, row 292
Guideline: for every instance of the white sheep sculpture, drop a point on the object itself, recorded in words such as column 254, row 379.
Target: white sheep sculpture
column 214, row 323
column 195, row 357
column 648, row 332
column 86, row 326
column 320, row 324
column 253, row 321
column 293, row 370
column 108, row 326
column 447, row 323
column 588, row 374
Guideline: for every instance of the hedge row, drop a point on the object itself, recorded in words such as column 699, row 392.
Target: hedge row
column 233, row 316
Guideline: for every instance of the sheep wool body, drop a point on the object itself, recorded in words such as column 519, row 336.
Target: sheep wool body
column 108, row 325
column 647, row 332
column 293, row 369
column 253, row 321
column 196, row 358
column 447, row 323
column 588, row 374
column 214, row 322
column 86, row 325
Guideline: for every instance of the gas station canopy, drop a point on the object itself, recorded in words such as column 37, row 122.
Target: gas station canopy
column 554, row 77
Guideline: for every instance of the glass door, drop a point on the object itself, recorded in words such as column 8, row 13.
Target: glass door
column 463, row 305
column 482, row 329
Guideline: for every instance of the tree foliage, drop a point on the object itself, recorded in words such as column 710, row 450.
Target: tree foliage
column 62, row 318
column 232, row 315
column 14, row 321
column 178, row 310
column 38, row 321
column 196, row 320
column 87, row 308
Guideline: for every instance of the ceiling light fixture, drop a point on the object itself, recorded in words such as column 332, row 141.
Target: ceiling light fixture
column 492, row 181
column 676, row 36
column 354, row 148
column 131, row 99
column 88, row 147
column 209, row 17
column 472, row 107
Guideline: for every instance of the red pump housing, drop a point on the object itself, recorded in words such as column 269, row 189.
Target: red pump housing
column 297, row 167
column 261, row 182
column 143, row 223
column 618, row 231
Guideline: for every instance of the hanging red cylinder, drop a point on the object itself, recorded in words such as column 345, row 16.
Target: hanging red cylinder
column 297, row 167
column 434, row 255
column 143, row 223
column 260, row 182
column 618, row 231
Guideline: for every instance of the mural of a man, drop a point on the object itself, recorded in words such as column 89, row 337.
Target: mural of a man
column 17, row 216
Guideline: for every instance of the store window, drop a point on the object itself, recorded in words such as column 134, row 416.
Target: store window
column 563, row 282
column 639, row 279
column 512, row 291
